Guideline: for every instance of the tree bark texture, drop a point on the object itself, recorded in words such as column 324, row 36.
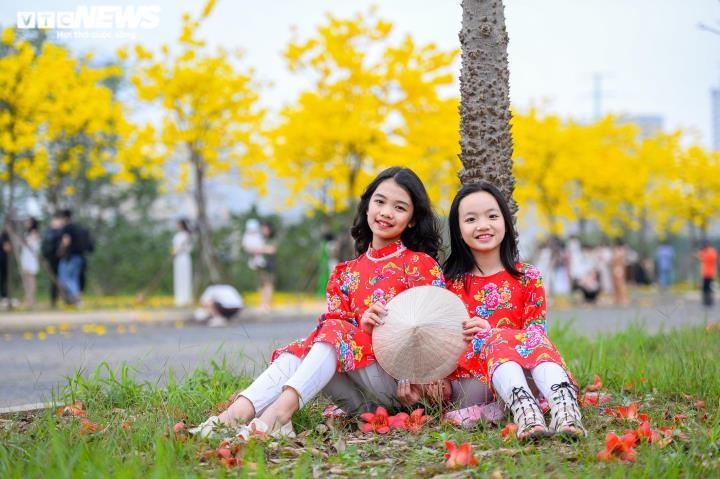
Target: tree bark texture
column 485, row 141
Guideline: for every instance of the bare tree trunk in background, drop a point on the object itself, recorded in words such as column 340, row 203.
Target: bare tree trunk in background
column 485, row 141
column 8, row 226
column 208, row 256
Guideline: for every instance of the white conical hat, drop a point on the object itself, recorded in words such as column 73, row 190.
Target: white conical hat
column 422, row 337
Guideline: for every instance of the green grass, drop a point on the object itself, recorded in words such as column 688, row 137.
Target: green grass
column 666, row 373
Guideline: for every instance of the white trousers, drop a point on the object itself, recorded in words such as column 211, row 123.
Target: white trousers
column 307, row 376
column 510, row 375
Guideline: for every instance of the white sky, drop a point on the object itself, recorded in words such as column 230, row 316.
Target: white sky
column 651, row 54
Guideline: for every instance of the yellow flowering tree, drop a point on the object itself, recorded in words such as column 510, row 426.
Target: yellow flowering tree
column 604, row 173
column 363, row 112
column 21, row 104
column 542, row 166
column 61, row 127
column 210, row 118
column 690, row 194
column 600, row 155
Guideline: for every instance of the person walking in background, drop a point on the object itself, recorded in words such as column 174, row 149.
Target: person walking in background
column 50, row 246
column 5, row 251
column 29, row 263
column 71, row 259
column 617, row 266
column 664, row 256
column 182, row 263
column 708, row 257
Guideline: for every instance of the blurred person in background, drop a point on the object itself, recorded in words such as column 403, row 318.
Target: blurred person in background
column 664, row 256
column 182, row 263
column 5, row 251
column 219, row 304
column 708, row 268
column 618, row 267
column 29, row 263
column 49, row 247
column 259, row 243
column 70, row 252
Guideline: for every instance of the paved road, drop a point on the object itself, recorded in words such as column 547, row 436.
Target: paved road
column 32, row 368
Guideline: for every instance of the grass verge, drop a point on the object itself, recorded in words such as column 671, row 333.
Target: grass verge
column 127, row 428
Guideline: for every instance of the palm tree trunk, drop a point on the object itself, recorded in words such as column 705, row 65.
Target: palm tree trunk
column 485, row 141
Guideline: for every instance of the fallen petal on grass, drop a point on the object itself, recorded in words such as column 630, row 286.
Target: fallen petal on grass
column 595, row 399
column 75, row 409
column 88, row 427
column 459, row 456
column 631, row 411
column 509, row 431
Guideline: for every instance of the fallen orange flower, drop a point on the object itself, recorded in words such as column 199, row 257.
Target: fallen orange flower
column 594, row 399
column 508, row 432
column 459, row 456
column 87, row 427
column 595, row 386
column 699, row 404
column 411, row 422
column 679, row 417
column 75, row 409
column 621, row 447
column 625, row 412
column 378, row 422
column 645, row 432
column 227, row 453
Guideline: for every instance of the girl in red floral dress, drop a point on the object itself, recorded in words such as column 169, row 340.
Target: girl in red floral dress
column 397, row 240
column 506, row 302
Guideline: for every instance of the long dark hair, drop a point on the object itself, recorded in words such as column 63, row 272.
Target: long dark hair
column 461, row 259
column 33, row 224
column 184, row 223
column 424, row 236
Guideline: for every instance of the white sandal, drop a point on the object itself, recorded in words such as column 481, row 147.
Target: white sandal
column 207, row 429
column 527, row 415
column 258, row 428
column 565, row 411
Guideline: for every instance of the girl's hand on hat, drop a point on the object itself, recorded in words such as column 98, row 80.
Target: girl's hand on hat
column 438, row 391
column 473, row 326
column 373, row 316
column 408, row 394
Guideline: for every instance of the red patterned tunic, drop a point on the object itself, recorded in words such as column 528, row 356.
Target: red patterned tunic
column 515, row 308
column 352, row 288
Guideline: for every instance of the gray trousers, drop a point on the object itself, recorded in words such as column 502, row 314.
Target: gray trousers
column 367, row 388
